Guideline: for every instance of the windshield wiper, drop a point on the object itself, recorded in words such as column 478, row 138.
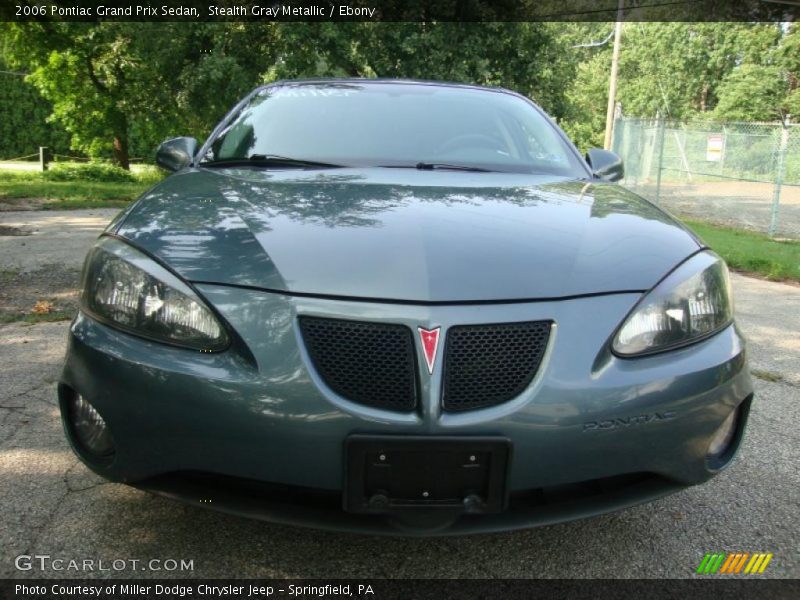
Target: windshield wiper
column 269, row 160
column 426, row 166
column 429, row 166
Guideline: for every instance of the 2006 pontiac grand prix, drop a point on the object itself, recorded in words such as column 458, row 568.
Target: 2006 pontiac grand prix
column 401, row 306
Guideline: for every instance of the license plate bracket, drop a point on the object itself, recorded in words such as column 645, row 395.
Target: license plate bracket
column 387, row 474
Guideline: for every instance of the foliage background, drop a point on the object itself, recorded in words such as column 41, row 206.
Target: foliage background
column 115, row 90
column 24, row 126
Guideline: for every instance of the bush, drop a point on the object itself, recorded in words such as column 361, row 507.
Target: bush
column 149, row 174
column 93, row 171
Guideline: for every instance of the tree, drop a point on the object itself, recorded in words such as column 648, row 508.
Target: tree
column 515, row 55
column 23, row 126
column 752, row 93
column 119, row 88
column 117, row 85
column 81, row 69
column 672, row 69
column 110, row 81
column 787, row 57
column 764, row 86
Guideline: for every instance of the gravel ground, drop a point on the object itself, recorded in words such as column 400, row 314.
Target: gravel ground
column 51, row 504
column 739, row 204
column 41, row 254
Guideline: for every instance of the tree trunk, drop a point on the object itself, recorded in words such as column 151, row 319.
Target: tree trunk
column 121, row 156
column 704, row 98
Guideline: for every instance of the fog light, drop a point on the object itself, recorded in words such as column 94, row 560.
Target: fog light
column 723, row 436
column 89, row 427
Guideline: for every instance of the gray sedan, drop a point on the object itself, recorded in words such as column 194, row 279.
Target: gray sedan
column 401, row 307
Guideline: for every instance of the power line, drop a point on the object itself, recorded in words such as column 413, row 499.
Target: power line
column 595, row 44
column 628, row 8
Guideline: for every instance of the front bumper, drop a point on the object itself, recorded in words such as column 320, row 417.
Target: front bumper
column 615, row 432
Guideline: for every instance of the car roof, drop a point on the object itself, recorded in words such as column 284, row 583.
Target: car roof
column 390, row 81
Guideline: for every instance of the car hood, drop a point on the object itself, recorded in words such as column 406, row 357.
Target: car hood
column 400, row 234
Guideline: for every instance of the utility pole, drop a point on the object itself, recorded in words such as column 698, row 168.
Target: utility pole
column 612, row 84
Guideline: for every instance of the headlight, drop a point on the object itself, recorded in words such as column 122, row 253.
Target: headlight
column 692, row 302
column 125, row 288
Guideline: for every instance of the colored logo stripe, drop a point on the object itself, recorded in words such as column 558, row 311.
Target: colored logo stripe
column 710, row 563
column 727, row 565
column 734, row 563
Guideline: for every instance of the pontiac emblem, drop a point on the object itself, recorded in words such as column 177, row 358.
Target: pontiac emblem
column 430, row 342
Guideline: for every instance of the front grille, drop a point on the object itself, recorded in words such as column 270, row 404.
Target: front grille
column 486, row 365
column 368, row 363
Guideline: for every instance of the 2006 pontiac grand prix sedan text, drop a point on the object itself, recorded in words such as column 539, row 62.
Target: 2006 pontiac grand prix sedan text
column 401, row 306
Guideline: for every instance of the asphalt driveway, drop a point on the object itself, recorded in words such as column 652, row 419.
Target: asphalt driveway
column 51, row 505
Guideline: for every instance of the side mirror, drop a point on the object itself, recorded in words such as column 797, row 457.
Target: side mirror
column 605, row 164
column 177, row 153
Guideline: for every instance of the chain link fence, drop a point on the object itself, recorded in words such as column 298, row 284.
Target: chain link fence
column 743, row 175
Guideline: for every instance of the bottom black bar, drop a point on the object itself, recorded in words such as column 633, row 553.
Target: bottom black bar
column 406, row 589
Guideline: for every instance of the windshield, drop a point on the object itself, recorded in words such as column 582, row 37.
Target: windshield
column 395, row 125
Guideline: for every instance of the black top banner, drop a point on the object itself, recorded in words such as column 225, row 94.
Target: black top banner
column 399, row 10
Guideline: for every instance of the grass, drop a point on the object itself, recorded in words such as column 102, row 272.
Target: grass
column 7, row 274
column 72, row 194
column 59, row 195
column 31, row 318
column 770, row 376
column 778, row 260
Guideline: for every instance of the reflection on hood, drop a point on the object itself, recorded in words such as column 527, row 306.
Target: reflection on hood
column 408, row 235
